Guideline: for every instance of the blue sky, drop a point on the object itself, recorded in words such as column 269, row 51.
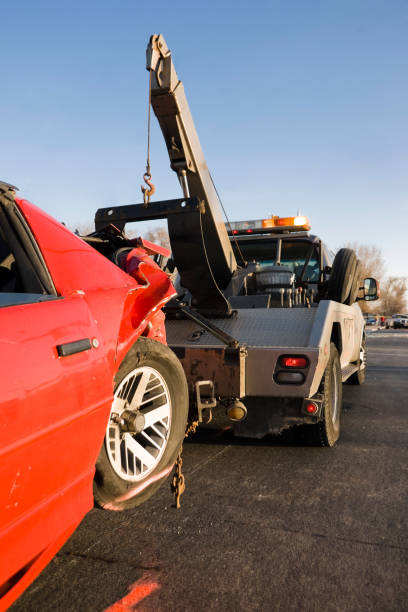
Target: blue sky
column 299, row 105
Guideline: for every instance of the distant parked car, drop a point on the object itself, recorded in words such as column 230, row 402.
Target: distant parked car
column 397, row 321
column 400, row 321
column 371, row 320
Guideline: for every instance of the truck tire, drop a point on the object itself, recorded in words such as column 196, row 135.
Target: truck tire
column 355, row 287
column 342, row 275
column 358, row 377
column 146, row 426
column 326, row 432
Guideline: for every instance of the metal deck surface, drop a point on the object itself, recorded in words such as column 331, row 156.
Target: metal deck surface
column 269, row 327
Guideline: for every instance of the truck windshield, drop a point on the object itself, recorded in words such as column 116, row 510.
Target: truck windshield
column 294, row 255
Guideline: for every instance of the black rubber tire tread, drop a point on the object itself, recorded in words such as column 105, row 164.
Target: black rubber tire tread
column 325, row 432
column 342, row 275
column 355, row 287
column 358, row 378
column 108, row 487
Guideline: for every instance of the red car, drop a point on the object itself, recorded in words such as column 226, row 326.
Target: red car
column 87, row 380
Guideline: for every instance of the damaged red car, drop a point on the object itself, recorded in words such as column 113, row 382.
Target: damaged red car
column 94, row 404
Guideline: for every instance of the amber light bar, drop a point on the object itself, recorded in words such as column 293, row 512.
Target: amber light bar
column 294, row 224
column 298, row 222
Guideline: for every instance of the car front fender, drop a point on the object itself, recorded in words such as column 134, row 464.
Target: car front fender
column 142, row 314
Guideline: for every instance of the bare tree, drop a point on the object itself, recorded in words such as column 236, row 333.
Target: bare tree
column 82, row 229
column 371, row 258
column 159, row 236
column 393, row 295
column 372, row 264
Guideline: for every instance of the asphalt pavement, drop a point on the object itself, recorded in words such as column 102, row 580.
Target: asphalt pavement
column 264, row 525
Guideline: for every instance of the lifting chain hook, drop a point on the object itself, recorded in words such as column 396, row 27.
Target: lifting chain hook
column 147, row 192
column 147, row 176
column 178, row 483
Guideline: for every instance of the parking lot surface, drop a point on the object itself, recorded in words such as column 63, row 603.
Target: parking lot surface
column 264, row 525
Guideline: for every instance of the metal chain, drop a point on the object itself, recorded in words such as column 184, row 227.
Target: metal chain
column 191, row 429
column 147, row 175
column 178, row 483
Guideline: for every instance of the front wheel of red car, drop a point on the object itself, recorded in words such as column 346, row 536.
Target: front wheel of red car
column 146, row 426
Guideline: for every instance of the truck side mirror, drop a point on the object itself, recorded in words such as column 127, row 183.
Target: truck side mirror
column 371, row 290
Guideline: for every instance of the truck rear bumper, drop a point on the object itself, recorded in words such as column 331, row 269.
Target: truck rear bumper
column 271, row 416
column 246, row 371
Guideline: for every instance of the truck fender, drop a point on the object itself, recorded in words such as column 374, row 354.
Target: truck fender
column 335, row 337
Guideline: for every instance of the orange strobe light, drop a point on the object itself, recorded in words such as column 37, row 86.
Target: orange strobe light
column 298, row 222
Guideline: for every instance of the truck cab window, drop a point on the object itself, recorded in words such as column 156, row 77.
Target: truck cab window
column 294, row 255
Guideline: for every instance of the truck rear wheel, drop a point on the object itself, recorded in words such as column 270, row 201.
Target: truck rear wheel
column 146, row 426
column 342, row 277
column 326, row 432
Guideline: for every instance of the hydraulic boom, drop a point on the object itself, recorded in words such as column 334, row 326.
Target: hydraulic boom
column 200, row 243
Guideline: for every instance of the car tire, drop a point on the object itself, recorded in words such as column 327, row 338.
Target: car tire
column 327, row 431
column 342, row 276
column 146, row 426
column 358, row 378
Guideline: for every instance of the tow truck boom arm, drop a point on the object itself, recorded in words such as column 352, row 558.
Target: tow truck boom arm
column 200, row 243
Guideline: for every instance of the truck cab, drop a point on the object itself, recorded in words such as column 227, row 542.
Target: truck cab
column 291, row 265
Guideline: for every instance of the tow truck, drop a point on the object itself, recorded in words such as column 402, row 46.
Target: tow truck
column 266, row 323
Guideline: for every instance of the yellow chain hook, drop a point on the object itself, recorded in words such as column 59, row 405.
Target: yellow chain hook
column 147, row 192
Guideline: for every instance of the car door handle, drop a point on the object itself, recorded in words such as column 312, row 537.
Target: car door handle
column 70, row 348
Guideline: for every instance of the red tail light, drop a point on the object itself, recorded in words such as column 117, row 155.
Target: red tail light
column 294, row 362
column 312, row 408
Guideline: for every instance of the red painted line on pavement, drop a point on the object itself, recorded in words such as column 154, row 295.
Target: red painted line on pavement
column 138, row 591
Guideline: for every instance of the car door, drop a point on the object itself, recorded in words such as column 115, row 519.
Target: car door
column 56, row 391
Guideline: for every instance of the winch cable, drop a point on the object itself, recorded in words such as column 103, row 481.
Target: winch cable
column 228, row 222
column 147, row 175
column 209, row 265
column 205, row 249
